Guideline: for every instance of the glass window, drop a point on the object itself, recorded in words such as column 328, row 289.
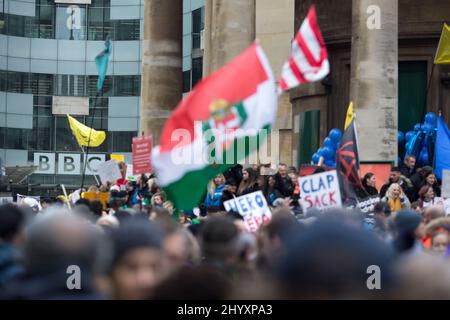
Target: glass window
column 71, row 85
column 71, row 22
column 65, row 140
column 186, row 81
column 18, row 138
column 2, row 134
column 43, row 132
column 107, row 89
column 95, row 24
column 122, row 141
column 197, row 70
column 127, row 85
column 3, row 82
column 198, row 24
column 18, row 82
column 15, row 25
column 126, row 30
column 46, row 23
column 42, row 84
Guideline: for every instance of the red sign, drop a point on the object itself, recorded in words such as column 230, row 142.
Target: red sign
column 142, row 150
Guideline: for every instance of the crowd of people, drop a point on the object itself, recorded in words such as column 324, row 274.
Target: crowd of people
column 139, row 246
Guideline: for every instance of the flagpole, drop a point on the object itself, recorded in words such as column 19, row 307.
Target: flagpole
column 428, row 90
column 89, row 140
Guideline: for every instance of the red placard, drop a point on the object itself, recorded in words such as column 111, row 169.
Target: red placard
column 142, row 150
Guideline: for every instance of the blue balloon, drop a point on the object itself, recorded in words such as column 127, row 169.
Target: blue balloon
column 315, row 158
column 329, row 143
column 431, row 118
column 335, row 135
column 409, row 135
column 417, row 127
column 423, row 158
column 328, row 153
column 428, row 127
column 400, row 137
column 330, row 163
column 320, row 152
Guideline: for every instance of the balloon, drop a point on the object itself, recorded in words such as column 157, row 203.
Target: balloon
column 430, row 118
column 417, row 127
column 315, row 158
column 400, row 137
column 423, row 158
column 330, row 163
column 428, row 127
column 328, row 153
column 320, row 152
column 329, row 143
column 335, row 135
column 409, row 135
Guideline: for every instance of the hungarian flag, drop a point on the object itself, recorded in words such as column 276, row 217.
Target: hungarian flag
column 309, row 57
column 347, row 165
column 215, row 126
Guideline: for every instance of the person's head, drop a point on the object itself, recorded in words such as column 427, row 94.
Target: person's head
column 12, row 221
column 271, row 181
column 92, row 188
column 96, row 208
column 231, row 185
column 157, row 199
column 410, row 161
column 430, row 179
column 46, row 202
column 424, row 171
column 219, row 179
column 439, row 243
column 180, row 248
column 137, row 263
column 408, row 227
column 369, row 180
column 426, row 193
column 131, row 185
column 182, row 218
column 218, row 241
column 395, row 174
column 433, row 212
column 382, row 210
column 394, row 191
column 293, row 176
column 168, row 205
column 282, row 170
column 330, row 259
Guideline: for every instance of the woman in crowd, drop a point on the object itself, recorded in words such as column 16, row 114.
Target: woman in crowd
column 439, row 243
column 270, row 191
column 248, row 183
column 215, row 188
column 430, row 180
column 428, row 198
column 396, row 198
column 369, row 184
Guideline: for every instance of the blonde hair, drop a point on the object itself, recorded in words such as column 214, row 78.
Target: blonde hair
column 390, row 190
column 212, row 186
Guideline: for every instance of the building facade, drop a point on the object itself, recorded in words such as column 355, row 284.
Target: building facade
column 47, row 68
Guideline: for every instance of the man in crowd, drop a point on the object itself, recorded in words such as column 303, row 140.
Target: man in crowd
column 396, row 177
column 408, row 167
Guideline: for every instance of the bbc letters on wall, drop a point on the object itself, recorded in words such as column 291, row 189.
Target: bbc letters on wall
column 66, row 163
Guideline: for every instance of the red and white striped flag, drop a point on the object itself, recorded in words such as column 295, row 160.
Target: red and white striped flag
column 309, row 58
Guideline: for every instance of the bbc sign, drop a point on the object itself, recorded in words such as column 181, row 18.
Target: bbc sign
column 66, row 163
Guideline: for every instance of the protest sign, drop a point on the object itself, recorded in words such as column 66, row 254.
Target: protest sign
column 445, row 184
column 103, row 197
column 4, row 200
column 129, row 175
column 366, row 205
column 117, row 157
column 253, row 207
column 109, row 171
column 142, row 149
column 320, row 191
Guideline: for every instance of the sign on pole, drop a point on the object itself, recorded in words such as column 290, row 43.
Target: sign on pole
column 142, row 149
column 109, row 171
column 320, row 191
column 253, row 207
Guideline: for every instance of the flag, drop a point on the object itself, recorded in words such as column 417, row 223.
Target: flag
column 309, row 58
column 231, row 105
column 82, row 133
column 347, row 165
column 443, row 51
column 349, row 117
column 102, row 61
column 442, row 148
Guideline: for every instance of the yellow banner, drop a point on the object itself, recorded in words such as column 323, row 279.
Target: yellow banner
column 443, row 51
column 349, row 117
column 82, row 133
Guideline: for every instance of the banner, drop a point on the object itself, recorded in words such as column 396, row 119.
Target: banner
column 253, row 207
column 445, row 193
column 103, row 197
column 142, row 149
column 109, row 171
column 320, row 191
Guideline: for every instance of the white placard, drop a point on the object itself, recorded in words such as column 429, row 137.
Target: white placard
column 445, row 192
column 253, row 207
column 45, row 163
column 93, row 161
column 70, row 105
column 320, row 191
column 69, row 163
column 109, row 171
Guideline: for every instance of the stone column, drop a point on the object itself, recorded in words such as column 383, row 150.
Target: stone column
column 161, row 85
column 229, row 29
column 374, row 77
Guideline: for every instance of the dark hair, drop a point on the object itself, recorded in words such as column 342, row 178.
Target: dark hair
column 249, row 182
column 218, row 239
column 382, row 208
column 368, row 175
column 86, row 202
column 12, row 219
column 395, row 169
column 96, row 208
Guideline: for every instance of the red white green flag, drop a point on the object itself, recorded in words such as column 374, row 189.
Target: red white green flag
column 216, row 125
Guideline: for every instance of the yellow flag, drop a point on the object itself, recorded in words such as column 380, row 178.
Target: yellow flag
column 443, row 51
column 81, row 132
column 349, row 117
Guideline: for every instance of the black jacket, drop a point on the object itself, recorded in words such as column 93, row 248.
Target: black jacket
column 405, row 171
column 284, row 185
